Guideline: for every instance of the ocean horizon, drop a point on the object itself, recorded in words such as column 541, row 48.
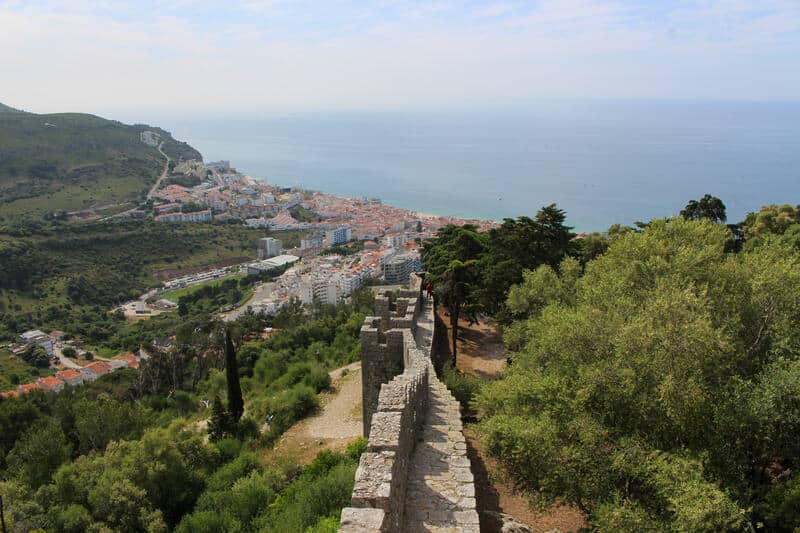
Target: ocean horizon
column 603, row 162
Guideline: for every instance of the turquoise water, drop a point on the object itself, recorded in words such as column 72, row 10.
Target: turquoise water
column 603, row 162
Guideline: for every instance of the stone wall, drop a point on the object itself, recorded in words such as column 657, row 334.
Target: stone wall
column 382, row 472
column 383, row 350
column 397, row 374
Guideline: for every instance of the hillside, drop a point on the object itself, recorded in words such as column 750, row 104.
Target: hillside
column 6, row 109
column 73, row 161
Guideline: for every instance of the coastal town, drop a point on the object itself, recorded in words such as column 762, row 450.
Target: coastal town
column 346, row 243
column 347, row 240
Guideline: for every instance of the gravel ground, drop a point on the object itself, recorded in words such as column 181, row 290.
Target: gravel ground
column 337, row 424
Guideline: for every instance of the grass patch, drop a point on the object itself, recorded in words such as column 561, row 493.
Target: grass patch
column 15, row 371
column 175, row 295
column 71, row 161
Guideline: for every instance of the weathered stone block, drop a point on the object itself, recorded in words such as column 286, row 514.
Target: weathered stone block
column 394, row 395
column 386, row 430
column 374, row 477
column 362, row 520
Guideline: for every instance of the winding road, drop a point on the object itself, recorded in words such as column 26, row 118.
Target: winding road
column 63, row 359
column 163, row 172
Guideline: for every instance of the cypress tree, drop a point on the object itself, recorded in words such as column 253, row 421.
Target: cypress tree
column 235, row 401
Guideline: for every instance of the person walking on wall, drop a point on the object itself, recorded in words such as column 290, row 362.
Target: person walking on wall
column 429, row 289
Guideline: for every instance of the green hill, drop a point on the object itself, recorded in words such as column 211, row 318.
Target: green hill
column 73, row 161
column 5, row 109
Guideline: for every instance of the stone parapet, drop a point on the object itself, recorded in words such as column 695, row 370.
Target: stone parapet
column 399, row 381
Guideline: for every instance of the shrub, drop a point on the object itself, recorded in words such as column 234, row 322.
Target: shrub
column 68, row 351
column 229, row 448
column 208, row 522
column 463, row 386
column 287, row 407
column 228, row 474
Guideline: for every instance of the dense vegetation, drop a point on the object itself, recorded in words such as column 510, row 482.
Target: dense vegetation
column 351, row 248
column 15, row 370
column 473, row 271
column 655, row 374
column 70, row 161
column 127, row 453
column 302, row 214
column 68, row 276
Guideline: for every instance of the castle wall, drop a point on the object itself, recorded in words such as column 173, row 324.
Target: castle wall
column 397, row 374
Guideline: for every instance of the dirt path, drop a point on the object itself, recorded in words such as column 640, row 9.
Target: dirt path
column 481, row 353
column 336, row 425
column 163, row 175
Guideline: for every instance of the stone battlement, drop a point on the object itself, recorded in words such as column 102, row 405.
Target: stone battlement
column 399, row 382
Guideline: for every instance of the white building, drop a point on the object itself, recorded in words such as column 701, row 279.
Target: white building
column 196, row 216
column 258, row 223
column 326, row 292
column 270, row 264
column 71, row 377
column 395, row 240
column 338, row 236
column 88, row 374
column 269, row 247
column 399, row 268
column 38, row 338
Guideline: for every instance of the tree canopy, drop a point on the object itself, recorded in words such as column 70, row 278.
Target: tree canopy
column 660, row 389
column 708, row 207
column 474, row 271
column 452, row 263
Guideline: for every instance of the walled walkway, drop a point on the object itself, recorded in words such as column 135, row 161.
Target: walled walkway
column 415, row 475
column 440, row 494
column 424, row 333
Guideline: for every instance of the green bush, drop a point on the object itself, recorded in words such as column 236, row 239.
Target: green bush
column 308, row 498
column 463, row 386
column 72, row 518
column 68, row 351
column 287, row 407
column 208, row 522
column 229, row 448
column 228, row 474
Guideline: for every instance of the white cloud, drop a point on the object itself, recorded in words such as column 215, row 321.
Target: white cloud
column 274, row 55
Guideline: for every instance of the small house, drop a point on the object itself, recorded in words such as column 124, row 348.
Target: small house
column 70, row 377
column 50, row 383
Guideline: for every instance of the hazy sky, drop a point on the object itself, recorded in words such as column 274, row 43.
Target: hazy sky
column 190, row 56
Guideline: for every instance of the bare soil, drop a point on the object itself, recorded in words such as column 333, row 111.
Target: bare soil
column 481, row 353
column 333, row 427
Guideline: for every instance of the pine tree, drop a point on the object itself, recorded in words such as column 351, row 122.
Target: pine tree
column 235, row 401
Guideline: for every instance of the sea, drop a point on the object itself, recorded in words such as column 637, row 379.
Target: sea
column 603, row 162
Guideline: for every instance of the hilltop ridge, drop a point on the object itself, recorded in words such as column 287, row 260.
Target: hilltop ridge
column 73, row 161
column 8, row 109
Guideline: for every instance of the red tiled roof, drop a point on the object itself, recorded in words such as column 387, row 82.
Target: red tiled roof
column 27, row 387
column 9, row 394
column 68, row 374
column 99, row 367
column 50, row 382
